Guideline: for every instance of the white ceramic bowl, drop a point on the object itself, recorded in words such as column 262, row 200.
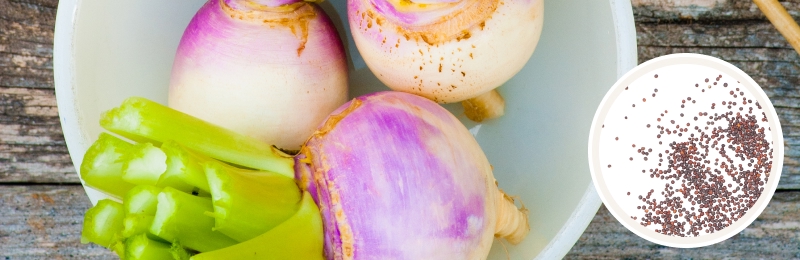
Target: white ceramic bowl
column 106, row 51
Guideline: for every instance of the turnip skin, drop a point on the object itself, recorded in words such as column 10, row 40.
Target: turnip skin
column 270, row 74
column 397, row 176
column 448, row 50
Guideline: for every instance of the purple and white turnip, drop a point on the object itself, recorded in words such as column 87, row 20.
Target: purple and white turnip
column 250, row 65
column 447, row 50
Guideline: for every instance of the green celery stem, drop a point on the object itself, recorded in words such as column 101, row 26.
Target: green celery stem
column 144, row 164
column 180, row 217
column 101, row 167
column 299, row 237
column 183, row 168
column 178, row 252
column 137, row 224
column 143, row 120
column 248, row 203
column 103, row 224
column 140, row 247
column 142, row 199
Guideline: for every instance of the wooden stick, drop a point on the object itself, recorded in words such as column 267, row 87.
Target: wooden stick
column 781, row 20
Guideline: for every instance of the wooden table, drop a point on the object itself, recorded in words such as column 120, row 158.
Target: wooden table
column 42, row 202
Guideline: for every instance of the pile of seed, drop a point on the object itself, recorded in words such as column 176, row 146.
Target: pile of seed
column 697, row 198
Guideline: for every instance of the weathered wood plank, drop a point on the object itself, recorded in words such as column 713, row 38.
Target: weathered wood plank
column 703, row 11
column 32, row 147
column 774, row 235
column 44, row 222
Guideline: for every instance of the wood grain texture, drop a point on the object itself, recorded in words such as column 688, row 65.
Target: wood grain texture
column 32, row 147
column 704, row 11
column 729, row 30
column 44, row 222
column 774, row 235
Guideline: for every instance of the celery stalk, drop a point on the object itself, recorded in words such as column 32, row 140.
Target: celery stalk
column 101, row 167
column 144, row 164
column 248, row 203
column 180, row 217
column 102, row 225
column 136, row 224
column 141, row 119
column 299, row 237
column 141, row 199
column 178, row 252
column 140, row 247
column 184, row 171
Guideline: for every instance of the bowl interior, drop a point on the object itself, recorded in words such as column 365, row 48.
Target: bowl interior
column 106, row 51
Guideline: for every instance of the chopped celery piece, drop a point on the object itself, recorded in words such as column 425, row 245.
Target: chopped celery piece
column 102, row 224
column 141, row 119
column 140, row 247
column 184, row 171
column 299, row 237
column 248, row 203
column 141, row 199
column 135, row 224
column 144, row 164
column 119, row 249
column 178, row 252
column 101, row 167
column 181, row 217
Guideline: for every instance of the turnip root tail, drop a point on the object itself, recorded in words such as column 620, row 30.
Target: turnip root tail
column 512, row 222
column 486, row 106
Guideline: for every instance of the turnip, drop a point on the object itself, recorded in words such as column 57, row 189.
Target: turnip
column 399, row 177
column 391, row 175
column 447, row 50
column 250, row 65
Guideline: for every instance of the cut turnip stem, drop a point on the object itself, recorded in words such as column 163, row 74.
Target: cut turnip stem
column 299, row 237
column 101, row 167
column 446, row 50
column 181, row 217
column 146, row 121
column 489, row 105
column 249, row 65
column 420, row 188
column 248, row 203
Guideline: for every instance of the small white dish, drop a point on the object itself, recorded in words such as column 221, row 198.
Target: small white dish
column 664, row 150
